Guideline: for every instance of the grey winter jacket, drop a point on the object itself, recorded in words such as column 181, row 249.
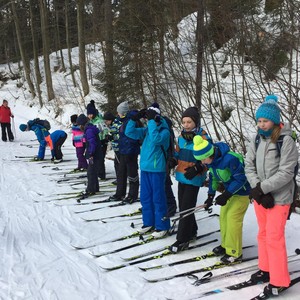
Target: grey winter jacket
column 274, row 172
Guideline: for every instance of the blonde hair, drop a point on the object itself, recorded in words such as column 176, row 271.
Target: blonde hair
column 275, row 133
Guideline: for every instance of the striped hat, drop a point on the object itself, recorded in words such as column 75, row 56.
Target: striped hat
column 202, row 148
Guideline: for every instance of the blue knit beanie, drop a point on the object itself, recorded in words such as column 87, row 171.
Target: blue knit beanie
column 23, row 127
column 269, row 110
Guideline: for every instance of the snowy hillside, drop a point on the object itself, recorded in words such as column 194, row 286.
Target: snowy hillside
column 36, row 233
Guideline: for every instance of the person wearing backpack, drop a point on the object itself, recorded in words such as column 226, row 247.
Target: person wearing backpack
column 226, row 174
column 156, row 138
column 190, row 175
column 270, row 172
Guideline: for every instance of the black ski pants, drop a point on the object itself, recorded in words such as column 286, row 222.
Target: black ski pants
column 6, row 127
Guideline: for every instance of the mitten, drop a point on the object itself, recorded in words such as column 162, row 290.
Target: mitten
column 140, row 114
column 267, row 201
column 256, row 193
column 153, row 115
column 222, row 199
column 172, row 163
column 209, row 201
column 193, row 171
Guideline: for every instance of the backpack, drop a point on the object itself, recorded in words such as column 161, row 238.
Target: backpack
column 170, row 151
column 278, row 147
column 44, row 123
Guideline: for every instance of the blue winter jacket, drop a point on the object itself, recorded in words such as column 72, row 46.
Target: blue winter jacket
column 41, row 132
column 127, row 145
column 227, row 168
column 155, row 137
column 93, row 144
column 55, row 136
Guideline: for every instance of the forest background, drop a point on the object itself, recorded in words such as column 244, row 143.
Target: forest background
column 224, row 56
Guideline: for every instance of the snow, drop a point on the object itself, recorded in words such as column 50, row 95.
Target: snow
column 36, row 233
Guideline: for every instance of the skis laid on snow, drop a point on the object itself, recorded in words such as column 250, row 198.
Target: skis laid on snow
column 167, row 252
column 165, row 249
column 217, row 265
column 141, row 242
column 184, row 261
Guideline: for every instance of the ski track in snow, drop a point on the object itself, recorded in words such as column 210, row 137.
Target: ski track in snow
column 39, row 263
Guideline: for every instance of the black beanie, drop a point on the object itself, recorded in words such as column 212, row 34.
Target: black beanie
column 82, row 119
column 73, row 118
column 91, row 108
column 108, row 116
column 193, row 113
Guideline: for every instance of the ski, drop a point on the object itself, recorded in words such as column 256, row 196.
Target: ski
column 167, row 252
column 217, row 265
column 165, row 249
column 94, row 243
column 103, row 220
column 141, row 242
column 184, row 261
column 122, row 203
column 233, row 287
column 263, row 296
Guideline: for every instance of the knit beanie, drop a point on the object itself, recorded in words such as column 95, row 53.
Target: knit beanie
column 82, row 119
column 23, row 127
column 73, row 118
column 269, row 110
column 193, row 113
column 108, row 116
column 123, row 108
column 202, row 148
column 155, row 106
column 91, row 108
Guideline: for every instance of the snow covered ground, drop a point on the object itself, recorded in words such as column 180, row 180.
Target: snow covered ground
column 38, row 261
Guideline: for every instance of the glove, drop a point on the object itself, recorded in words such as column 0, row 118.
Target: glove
column 256, row 193
column 140, row 114
column 188, row 136
column 193, row 171
column 267, row 201
column 91, row 160
column 152, row 115
column 172, row 163
column 209, row 201
column 222, row 199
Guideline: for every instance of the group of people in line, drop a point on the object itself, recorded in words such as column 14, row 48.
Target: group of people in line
column 265, row 177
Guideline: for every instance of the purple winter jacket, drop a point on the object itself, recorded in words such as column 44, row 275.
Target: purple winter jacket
column 93, row 145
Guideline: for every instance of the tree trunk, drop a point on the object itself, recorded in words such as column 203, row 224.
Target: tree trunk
column 46, row 51
column 81, row 46
column 24, row 58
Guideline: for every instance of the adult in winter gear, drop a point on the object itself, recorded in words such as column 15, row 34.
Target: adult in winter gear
column 270, row 175
column 190, row 175
column 113, row 124
column 96, row 119
column 156, row 138
column 129, row 150
column 93, row 153
column 78, row 140
column 226, row 168
column 5, row 115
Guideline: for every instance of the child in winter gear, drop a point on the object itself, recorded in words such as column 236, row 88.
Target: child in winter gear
column 79, row 144
column 5, row 115
column 96, row 119
column 270, row 175
column 156, row 138
column 190, row 175
column 54, row 140
column 93, row 152
column 113, row 124
column 227, row 168
column 129, row 150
